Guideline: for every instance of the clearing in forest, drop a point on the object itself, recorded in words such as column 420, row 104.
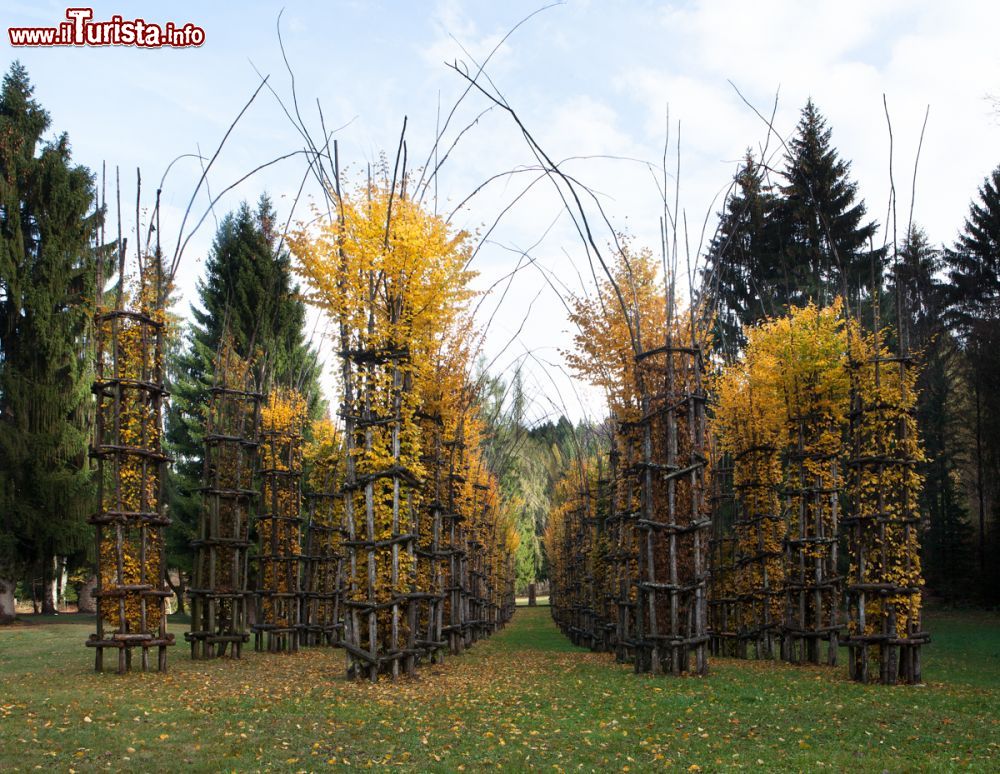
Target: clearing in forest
column 524, row 698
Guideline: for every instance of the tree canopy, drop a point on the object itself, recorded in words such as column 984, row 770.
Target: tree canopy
column 47, row 260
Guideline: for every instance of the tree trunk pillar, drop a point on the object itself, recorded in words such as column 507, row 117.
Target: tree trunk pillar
column 6, row 600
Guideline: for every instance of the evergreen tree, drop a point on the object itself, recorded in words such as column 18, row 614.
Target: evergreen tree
column 974, row 314
column 741, row 271
column 974, row 262
column 826, row 244
column 512, row 455
column 557, row 447
column 807, row 241
column 918, row 292
column 949, row 537
column 528, row 463
column 47, row 222
column 248, row 295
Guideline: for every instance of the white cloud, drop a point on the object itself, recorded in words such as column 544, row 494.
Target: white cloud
column 588, row 79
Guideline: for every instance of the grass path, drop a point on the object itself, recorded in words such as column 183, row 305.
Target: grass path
column 524, row 699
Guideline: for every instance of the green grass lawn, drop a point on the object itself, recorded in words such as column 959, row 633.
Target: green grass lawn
column 524, row 699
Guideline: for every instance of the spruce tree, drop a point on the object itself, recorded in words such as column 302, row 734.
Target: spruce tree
column 513, row 456
column 949, row 538
column 915, row 286
column 826, row 243
column 974, row 262
column 248, row 295
column 742, row 272
column 974, row 313
column 47, row 222
column 922, row 298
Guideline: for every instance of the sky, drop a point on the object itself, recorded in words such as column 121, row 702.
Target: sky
column 602, row 86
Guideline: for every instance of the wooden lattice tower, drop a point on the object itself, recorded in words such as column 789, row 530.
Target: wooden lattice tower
column 569, row 581
column 379, row 636
column 454, row 526
column 564, row 560
column 576, row 589
column 505, row 577
column 394, row 277
column 488, row 597
column 467, row 540
column 884, row 586
column 673, row 526
column 586, row 539
column 508, row 605
column 583, row 555
column 760, row 532
column 622, row 541
column 758, row 524
column 476, row 577
column 723, row 604
column 557, row 580
column 812, row 583
column 555, row 548
column 131, row 517
column 490, row 565
column 782, row 417
column 431, row 550
column 323, row 575
column 278, row 590
column 220, row 591
column 494, row 563
column 589, row 619
column 482, row 577
column 603, row 606
column 485, row 578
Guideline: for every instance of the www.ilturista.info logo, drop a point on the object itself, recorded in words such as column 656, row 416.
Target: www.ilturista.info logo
column 80, row 30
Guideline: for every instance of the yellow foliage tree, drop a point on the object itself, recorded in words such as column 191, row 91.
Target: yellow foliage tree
column 283, row 418
column 633, row 341
column 749, row 429
column 576, row 548
column 814, row 395
column 324, row 546
column 128, row 446
column 218, row 593
column 394, row 278
column 885, row 631
column 782, row 413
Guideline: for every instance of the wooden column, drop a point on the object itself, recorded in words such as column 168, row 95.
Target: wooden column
column 220, row 589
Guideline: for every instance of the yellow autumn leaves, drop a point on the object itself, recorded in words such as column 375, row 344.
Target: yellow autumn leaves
column 636, row 343
column 816, row 419
column 885, row 483
column 783, row 413
column 607, row 334
column 394, row 280
column 130, row 364
column 576, row 547
column 283, row 418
